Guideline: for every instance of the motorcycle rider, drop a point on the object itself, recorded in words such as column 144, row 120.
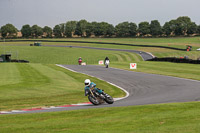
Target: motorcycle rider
column 107, row 61
column 79, row 60
column 89, row 85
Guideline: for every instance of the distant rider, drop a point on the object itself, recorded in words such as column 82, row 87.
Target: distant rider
column 79, row 60
column 106, row 61
column 89, row 85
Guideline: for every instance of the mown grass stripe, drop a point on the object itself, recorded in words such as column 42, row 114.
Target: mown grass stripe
column 47, row 85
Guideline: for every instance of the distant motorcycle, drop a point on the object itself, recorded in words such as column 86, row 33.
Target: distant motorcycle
column 96, row 98
column 107, row 63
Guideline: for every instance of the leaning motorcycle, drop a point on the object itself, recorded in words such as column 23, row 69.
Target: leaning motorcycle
column 96, row 98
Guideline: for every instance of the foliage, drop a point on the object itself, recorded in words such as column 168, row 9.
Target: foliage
column 70, row 28
column 36, row 31
column 57, row 31
column 166, row 29
column 192, row 28
column 144, row 28
column 8, row 30
column 26, row 30
column 102, row 29
column 182, row 26
column 126, row 29
column 48, row 31
column 198, row 29
column 155, row 28
column 62, row 28
column 132, row 29
column 81, row 28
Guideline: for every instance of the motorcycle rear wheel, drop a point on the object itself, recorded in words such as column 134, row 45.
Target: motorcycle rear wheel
column 93, row 100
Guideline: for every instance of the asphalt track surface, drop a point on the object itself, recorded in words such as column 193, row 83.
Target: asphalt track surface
column 143, row 88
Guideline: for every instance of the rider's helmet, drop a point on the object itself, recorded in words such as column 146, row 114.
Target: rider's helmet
column 87, row 82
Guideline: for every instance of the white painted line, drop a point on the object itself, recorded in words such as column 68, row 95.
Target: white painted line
column 53, row 107
column 17, row 111
column 66, row 68
column 81, row 104
column 150, row 54
column 45, row 108
column 127, row 93
column 5, row 112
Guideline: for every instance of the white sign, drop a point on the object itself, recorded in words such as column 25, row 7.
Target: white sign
column 133, row 65
column 84, row 63
column 101, row 62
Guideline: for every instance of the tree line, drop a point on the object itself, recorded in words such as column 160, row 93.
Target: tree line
column 182, row 26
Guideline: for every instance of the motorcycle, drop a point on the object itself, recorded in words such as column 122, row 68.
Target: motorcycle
column 107, row 63
column 97, row 99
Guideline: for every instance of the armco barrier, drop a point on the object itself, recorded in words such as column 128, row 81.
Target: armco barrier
column 176, row 60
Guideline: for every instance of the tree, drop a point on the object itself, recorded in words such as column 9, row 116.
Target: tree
column 70, row 28
column 155, row 28
column 104, row 29
column 198, row 29
column 57, row 31
column 126, row 29
column 132, row 29
column 97, row 29
column 89, row 29
column 169, row 27
column 122, row 29
column 81, row 28
column 144, row 28
column 182, row 25
column 110, row 30
column 166, row 29
column 192, row 28
column 48, row 31
column 8, row 30
column 36, row 31
column 26, row 30
column 62, row 28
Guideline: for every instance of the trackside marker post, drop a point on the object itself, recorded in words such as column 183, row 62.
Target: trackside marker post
column 101, row 62
column 133, row 65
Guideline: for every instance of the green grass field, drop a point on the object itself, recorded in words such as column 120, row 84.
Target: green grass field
column 182, row 70
column 161, row 118
column 42, row 83
column 159, row 52
column 60, row 55
column 36, row 85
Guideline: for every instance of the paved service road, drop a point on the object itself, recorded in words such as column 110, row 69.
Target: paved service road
column 143, row 88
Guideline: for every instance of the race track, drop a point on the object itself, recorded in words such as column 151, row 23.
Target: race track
column 145, row 56
column 143, row 88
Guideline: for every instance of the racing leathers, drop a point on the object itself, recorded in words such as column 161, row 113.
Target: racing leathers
column 87, row 88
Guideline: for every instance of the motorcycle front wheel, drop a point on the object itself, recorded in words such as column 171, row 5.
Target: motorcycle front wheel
column 109, row 99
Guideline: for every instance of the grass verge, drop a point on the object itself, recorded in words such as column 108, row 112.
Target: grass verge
column 39, row 85
column 182, row 70
column 162, row 118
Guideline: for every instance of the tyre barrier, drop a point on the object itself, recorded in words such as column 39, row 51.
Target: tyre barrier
column 136, row 45
column 21, row 61
column 176, row 60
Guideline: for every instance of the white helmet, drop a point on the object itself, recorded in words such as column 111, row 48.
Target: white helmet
column 87, row 82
